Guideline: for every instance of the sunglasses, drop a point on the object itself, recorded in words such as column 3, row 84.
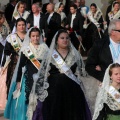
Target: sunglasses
column 117, row 30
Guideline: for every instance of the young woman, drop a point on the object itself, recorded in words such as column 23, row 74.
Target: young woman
column 95, row 26
column 59, row 7
column 3, row 34
column 107, row 105
column 30, row 59
column 115, row 13
column 58, row 88
column 13, row 46
column 19, row 12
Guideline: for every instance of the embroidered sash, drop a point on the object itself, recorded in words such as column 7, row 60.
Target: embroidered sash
column 63, row 67
column 32, row 58
column 112, row 16
column 115, row 94
column 91, row 18
column 15, row 43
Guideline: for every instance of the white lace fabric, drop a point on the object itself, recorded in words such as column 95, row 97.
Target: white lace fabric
column 104, row 97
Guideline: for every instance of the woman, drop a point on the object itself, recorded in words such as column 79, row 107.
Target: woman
column 96, row 17
column 19, row 12
column 115, row 13
column 96, row 26
column 64, row 98
column 32, row 54
column 3, row 34
column 59, row 9
column 107, row 105
column 13, row 46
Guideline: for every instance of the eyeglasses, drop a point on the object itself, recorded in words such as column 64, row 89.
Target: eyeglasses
column 117, row 30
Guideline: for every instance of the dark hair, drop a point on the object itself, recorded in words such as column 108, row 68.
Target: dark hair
column 34, row 29
column 60, row 4
column 59, row 32
column 1, row 14
column 13, row 1
column 19, row 20
column 114, row 3
column 115, row 65
column 74, row 6
column 94, row 5
column 20, row 3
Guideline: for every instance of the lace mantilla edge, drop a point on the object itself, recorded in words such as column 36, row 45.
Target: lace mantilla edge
column 113, row 105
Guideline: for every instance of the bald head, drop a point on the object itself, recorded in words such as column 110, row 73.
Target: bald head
column 50, row 8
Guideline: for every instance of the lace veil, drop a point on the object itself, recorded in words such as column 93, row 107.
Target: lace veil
column 24, row 45
column 102, row 94
column 39, row 90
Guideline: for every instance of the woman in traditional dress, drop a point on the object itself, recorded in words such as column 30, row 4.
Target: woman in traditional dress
column 19, row 12
column 59, row 89
column 12, row 48
column 115, row 13
column 3, row 71
column 59, row 9
column 32, row 53
column 107, row 105
column 95, row 26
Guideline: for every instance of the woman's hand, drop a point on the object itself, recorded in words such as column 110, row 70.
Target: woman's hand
column 18, row 85
column 98, row 68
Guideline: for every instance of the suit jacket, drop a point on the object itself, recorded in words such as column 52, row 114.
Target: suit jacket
column 77, row 23
column 44, row 7
column 42, row 25
column 99, row 54
column 108, row 10
column 54, row 23
column 9, row 11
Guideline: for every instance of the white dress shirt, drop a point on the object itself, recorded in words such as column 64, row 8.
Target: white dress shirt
column 73, row 17
column 48, row 20
column 36, row 20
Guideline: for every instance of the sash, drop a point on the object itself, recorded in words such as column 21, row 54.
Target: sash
column 32, row 58
column 15, row 43
column 115, row 94
column 112, row 16
column 92, row 19
column 63, row 67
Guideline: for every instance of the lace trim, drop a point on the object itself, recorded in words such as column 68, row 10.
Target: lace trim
column 113, row 105
column 38, row 52
column 70, row 60
column 18, row 39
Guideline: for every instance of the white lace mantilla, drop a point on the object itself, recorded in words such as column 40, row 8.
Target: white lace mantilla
column 39, row 52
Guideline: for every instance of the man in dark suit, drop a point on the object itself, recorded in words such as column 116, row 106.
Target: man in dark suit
column 104, row 52
column 74, row 25
column 45, row 6
column 36, row 19
column 53, row 20
column 9, row 11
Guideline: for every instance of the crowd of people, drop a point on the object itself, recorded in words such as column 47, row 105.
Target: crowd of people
column 42, row 72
